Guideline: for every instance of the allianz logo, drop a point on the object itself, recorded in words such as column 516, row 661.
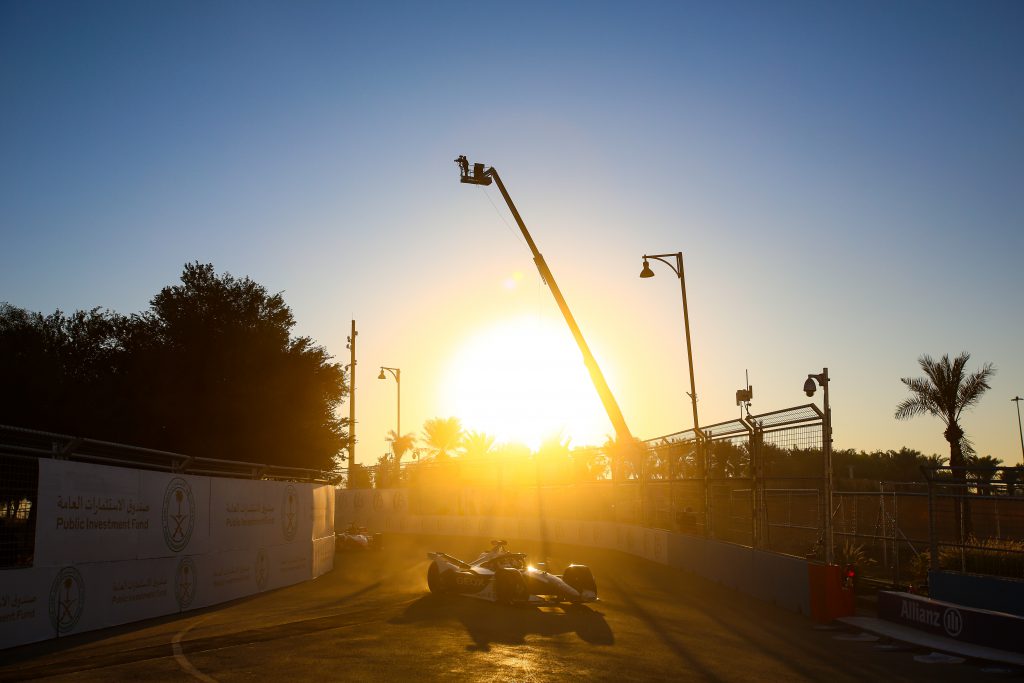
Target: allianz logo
column 949, row 620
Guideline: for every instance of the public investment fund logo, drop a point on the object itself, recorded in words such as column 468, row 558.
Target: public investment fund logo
column 67, row 599
column 289, row 513
column 185, row 582
column 179, row 514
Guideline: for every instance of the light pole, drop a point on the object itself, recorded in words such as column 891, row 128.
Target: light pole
column 680, row 273
column 397, row 374
column 1017, row 400
column 810, row 385
column 351, row 346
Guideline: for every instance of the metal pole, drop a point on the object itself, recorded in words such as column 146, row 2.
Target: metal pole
column 689, row 348
column 693, row 389
column 1017, row 400
column 352, row 400
column 397, row 374
column 933, row 542
column 829, row 550
column 701, row 442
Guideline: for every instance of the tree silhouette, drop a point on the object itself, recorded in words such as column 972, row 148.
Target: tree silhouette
column 210, row 369
column 1011, row 476
column 390, row 464
column 400, row 444
column 442, row 436
column 983, row 470
column 945, row 392
column 477, row 444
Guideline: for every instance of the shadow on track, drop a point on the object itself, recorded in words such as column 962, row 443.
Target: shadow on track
column 489, row 623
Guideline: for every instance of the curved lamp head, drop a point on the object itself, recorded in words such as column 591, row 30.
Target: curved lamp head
column 381, row 375
column 810, row 386
column 646, row 272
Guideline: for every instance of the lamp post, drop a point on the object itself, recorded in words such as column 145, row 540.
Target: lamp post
column 351, row 346
column 1017, row 400
column 397, row 374
column 678, row 270
column 810, row 385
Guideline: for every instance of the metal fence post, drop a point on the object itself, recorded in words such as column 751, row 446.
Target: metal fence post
column 705, row 456
column 933, row 542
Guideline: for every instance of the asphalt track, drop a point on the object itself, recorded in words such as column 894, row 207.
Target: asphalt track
column 373, row 619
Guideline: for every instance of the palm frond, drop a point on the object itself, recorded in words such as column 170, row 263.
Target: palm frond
column 974, row 385
column 912, row 407
column 924, row 400
column 967, row 447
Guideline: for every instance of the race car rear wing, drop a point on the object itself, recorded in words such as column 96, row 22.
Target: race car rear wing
column 449, row 558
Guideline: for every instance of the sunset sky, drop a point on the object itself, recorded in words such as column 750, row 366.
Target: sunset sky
column 846, row 183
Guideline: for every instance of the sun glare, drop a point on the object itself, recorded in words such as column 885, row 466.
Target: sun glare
column 524, row 380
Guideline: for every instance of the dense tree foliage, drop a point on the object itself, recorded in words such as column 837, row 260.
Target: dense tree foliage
column 210, row 370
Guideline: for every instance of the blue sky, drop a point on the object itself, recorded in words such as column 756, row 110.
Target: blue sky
column 845, row 182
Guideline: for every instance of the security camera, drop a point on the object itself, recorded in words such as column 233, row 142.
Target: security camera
column 810, row 386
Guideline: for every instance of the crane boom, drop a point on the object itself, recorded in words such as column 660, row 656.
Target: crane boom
column 481, row 176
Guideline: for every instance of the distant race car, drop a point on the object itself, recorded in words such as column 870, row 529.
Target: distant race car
column 502, row 576
column 358, row 538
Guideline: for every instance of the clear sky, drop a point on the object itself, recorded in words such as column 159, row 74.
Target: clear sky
column 846, row 182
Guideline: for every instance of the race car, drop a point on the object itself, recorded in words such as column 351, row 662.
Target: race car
column 502, row 576
column 357, row 538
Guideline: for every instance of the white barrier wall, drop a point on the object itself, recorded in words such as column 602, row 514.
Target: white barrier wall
column 115, row 545
column 774, row 578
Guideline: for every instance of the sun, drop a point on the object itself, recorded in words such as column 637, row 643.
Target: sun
column 523, row 380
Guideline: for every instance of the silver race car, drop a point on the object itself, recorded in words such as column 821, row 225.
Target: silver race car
column 356, row 537
column 501, row 576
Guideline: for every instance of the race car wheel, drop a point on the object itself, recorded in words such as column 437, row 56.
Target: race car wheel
column 580, row 578
column 509, row 586
column 435, row 579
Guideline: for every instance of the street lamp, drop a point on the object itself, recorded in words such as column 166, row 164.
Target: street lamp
column 1017, row 400
column 397, row 374
column 810, row 386
column 678, row 270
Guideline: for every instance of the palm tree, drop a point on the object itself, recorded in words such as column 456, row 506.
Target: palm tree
column 983, row 469
column 1011, row 476
column 627, row 457
column 443, row 436
column 400, row 445
column 477, row 444
column 589, row 463
column 945, row 392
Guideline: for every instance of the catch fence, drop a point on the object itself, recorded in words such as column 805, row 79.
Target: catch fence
column 757, row 481
column 760, row 481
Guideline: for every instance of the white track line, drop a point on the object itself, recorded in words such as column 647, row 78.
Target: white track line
column 182, row 660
